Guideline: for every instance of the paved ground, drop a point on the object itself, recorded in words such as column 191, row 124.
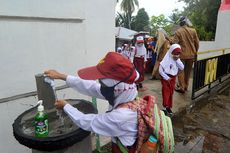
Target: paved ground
column 153, row 87
column 205, row 128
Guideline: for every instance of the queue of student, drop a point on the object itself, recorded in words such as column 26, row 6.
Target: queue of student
column 148, row 54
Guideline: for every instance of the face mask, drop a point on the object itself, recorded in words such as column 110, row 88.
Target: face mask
column 108, row 92
column 175, row 57
column 140, row 45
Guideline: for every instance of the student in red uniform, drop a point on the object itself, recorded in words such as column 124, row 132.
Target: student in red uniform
column 168, row 70
column 140, row 58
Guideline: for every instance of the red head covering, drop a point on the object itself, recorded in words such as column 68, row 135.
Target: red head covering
column 112, row 66
column 139, row 39
column 176, row 51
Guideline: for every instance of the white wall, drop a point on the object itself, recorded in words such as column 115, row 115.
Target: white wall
column 39, row 35
column 222, row 39
column 44, row 8
column 63, row 35
column 222, row 31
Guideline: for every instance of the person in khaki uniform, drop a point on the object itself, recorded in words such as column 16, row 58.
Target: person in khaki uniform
column 161, row 49
column 187, row 38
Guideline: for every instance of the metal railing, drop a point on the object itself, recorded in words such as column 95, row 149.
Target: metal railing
column 210, row 72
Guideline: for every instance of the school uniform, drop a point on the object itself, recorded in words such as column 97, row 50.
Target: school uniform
column 168, row 71
column 140, row 58
column 116, row 83
column 121, row 122
column 127, row 54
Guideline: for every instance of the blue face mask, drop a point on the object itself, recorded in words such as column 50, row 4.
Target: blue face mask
column 108, row 92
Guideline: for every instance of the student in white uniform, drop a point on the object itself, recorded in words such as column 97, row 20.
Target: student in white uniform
column 126, row 51
column 140, row 59
column 169, row 68
column 116, row 77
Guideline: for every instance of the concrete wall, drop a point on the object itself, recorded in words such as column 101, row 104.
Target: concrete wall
column 223, row 31
column 39, row 35
column 63, row 35
column 204, row 46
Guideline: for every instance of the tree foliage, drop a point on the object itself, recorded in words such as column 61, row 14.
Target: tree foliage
column 141, row 21
column 174, row 17
column 160, row 21
column 203, row 14
column 128, row 6
column 122, row 20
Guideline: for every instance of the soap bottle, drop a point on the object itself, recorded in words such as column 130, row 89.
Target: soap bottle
column 41, row 121
column 149, row 146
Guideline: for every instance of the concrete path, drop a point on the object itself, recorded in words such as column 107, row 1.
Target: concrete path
column 180, row 101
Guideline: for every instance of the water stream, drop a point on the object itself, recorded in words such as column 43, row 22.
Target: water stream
column 61, row 118
column 59, row 113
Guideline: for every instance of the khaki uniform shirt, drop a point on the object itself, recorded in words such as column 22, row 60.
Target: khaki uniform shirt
column 187, row 38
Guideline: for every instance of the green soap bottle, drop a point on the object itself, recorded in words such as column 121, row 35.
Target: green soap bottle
column 41, row 122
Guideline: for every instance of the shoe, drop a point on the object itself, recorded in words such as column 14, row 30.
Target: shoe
column 153, row 78
column 165, row 111
column 140, row 85
column 178, row 89
column 169, row 110
column 137, row 86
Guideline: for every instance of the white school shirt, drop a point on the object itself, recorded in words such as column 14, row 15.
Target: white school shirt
column 179, row 64
column 141, row 51
column 121, row 122
column 126, row 54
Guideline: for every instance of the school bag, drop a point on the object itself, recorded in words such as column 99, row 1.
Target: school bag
column 151, row 120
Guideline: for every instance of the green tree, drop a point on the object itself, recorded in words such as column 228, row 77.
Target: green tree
column 141, row 21
column 174, row 17
column 122, row 20
column 203, row 14
column 128, row 6
column 160, row 21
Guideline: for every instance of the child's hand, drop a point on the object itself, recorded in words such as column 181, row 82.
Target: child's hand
column 60, row 104
column 169, row 79
column 176, row 57
column 55, row 74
